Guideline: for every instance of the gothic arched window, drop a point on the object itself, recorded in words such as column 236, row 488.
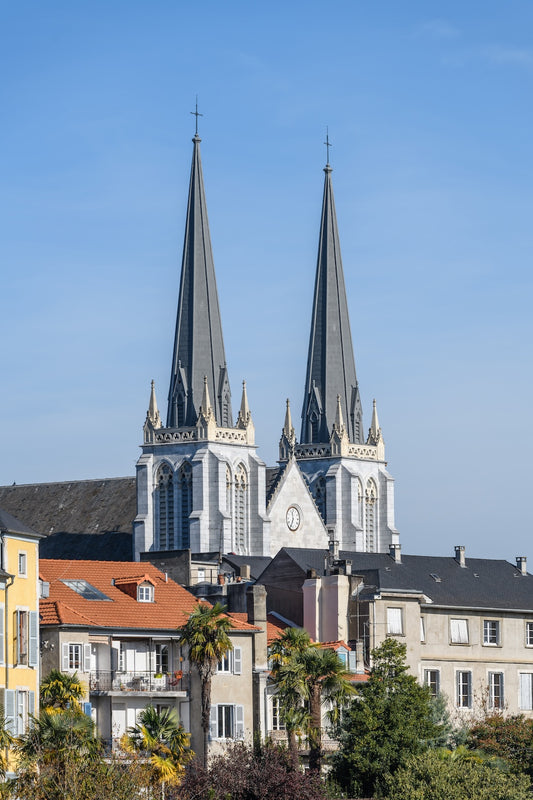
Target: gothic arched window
column 314, row 427
column 184, row 505
column 320, row 496
column 180, row 410
column 371, row 496
column 240, row 511
column 229, row 486
column 165, row 508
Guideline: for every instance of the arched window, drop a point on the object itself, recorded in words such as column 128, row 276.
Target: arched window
column 180, row 410
column 240, row 511
column 184, row 505
column 229, row 487
column 165, row 508
column 314, row 427
column 320, row 496
column 371, row 497
column 360, row 503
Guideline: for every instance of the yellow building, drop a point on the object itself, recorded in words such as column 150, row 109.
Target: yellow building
column 19, row 622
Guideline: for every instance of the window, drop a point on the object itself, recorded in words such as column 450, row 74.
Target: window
column 26, row 638
column 201, row 575
column 394, row 622
column 240, row 511
column 161, row 659
column 165, row 507
column 277, row 723
column 370, row 516
column 491, row 632
column 226, row 722
column 224, row 665
column 422, row 629
column 74, row 657
column 121, row 657
column 19, row 704
column 231, row 662
column 432, row 680
column 496, row 689
column 464, row 690
column 85, row 590
column 22, row 564
column 22, row 637
column 459, row 631
column 320, row 497
column 184, row 505
column 529, row 634
column 145, row 593
column 526, row 691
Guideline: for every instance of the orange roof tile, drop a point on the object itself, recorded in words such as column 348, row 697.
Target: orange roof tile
column 170, row 609
column 275, row 628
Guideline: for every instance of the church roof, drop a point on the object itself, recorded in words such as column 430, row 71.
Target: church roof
column 198, row 343
column 483, row 583
column 70, row 513
column 330, row 363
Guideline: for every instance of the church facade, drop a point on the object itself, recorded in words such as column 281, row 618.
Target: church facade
column 200, row 482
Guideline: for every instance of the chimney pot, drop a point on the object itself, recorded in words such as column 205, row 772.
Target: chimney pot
column 460, row 555
column 395, row 552
column 521, row 563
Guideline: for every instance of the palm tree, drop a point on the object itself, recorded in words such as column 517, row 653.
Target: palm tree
column 291, row 643
column 206, row 633
column 162, row 736
column 60, row 690
column 6, row 740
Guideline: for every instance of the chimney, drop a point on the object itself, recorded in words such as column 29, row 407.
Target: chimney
column 395, row 552
column 460, row 555
column 333, row 543
column 245, row 572
column 521, row 564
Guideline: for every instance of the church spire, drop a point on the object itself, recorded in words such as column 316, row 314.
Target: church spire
column 198, row 342
column 330, row 362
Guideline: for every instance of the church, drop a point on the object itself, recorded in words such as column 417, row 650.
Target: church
column 201, row 485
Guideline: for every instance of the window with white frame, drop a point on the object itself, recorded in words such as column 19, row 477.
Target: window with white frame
column 459, row 631
column 22, row 567
column 394, row 621
column 464, row 689
column 26, row 625
column 231, row 662
column 496, row 699
column 277, row 721
column 75, row 657
column 529, row 634
column 491, row 632
column 526, row 691
column 432, row 681
column 422, row 629
column 145, row 593
column 19, row 705
column 161, row 658
column 121, row 657
column 226, row 721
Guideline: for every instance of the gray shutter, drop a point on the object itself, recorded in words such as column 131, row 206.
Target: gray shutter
column 237, row 660
column 9, row 711
column 31, row 703
column 64, row 657
column 213, row 722
column 17, row 637
column 86, row 657
column 2, row 641
column 33, row 656
column 87, row 709
column 352, row 661
column 239, row 722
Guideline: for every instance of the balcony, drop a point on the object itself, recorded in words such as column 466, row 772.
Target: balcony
column 104, row 681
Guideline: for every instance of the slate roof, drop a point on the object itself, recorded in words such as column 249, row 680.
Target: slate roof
column 256, row 563
column 482, row 583
column 11, row 524
column 170, row 609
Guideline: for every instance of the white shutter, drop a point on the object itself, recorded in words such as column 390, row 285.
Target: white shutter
column 352, row 661
column 394, row 620
column 422, row 629
column 33, row 654
column 213, row 722
column 9, row 711
column 20, row 713
column 86, row 657
column 64, row 657
column 526, row 694
column 459, row 631
column 237, row 660
column 2, row 641
column 239, row 722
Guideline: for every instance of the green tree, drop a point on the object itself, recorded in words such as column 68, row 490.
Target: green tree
column 430, row 776
column 510, row 738
column 390, row 720
column 61, row 690
column 206, row 633
column 163, row 738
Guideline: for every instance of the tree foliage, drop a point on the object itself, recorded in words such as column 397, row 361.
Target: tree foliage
column 391, row 720
column 61, row 690
column 510, row 738
column 250, row 773
column 429, row 776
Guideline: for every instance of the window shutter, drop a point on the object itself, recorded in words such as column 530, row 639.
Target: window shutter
column 239, row 722
column 352, row 661
column 20, row 712
column 213, row 722
column 33, row 655
column 17, row 637
column 2, row 641
column 87, row 709
column 86, row 657
column 525, row 691
column 64, row 657
column 237, row 660
column 394, row 620
column 9, row 702
column 31, row 703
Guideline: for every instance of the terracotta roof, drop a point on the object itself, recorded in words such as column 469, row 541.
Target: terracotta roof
column 136, row 579
column 241, row 621
column 170, row 609
column 334, row 645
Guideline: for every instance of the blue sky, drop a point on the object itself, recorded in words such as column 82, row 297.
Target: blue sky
column 430, row 114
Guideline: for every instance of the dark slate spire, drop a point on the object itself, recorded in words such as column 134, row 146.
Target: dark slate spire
column 330, row 363
column 198, row 343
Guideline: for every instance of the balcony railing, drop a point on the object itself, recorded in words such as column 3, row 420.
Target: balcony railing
column 114, row 681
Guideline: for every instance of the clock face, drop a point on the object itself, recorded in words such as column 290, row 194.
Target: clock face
column 293, row 518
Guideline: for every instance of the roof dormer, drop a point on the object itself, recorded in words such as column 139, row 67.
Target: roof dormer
column 140, row 587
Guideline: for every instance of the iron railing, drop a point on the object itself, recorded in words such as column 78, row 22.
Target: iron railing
column 115, row 681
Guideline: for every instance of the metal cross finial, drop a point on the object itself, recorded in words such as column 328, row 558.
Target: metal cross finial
column 196, row 114
column 327, row 143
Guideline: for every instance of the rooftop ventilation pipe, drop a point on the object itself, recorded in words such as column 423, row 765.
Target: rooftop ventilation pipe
column 460, row 555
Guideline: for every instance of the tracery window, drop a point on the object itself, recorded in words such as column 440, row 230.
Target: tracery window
column 185, row 505
column 360, row 503
column 320, row 496
column 370, row 516
column 314, row 427
column 240, row 511
column 165, row 508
